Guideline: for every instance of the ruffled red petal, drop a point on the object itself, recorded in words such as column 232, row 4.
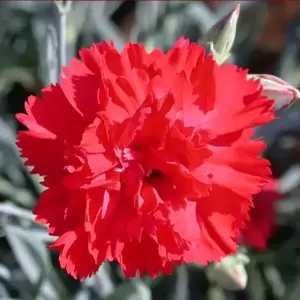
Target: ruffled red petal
column 148, row 157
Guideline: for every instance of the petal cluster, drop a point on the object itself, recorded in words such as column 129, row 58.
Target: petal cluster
column 262, row 217
column 147, row 157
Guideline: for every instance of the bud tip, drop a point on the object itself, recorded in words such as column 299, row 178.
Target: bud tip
column 237, row 10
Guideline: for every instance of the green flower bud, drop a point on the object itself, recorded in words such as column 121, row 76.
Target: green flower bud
column 220, row 38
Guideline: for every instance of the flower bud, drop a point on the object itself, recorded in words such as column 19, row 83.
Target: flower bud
column 221, row 36
column 230, row 273
column 277, row 89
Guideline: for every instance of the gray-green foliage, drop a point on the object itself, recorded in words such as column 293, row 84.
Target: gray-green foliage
column 27, row 269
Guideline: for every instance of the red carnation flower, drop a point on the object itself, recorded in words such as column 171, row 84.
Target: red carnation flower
column 262, row 217
column 147, row 157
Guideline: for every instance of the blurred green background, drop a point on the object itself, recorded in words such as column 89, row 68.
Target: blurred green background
column 268, row 41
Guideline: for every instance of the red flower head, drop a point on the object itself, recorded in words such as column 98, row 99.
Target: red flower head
column 147, row 157
column 262, row 217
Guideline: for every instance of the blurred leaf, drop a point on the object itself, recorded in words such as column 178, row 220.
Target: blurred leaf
column 35, row 262
column 18, row 74
column 111, row 7
column 83, row 294
column 163, row 287
column 4, row 294
column 102, row 282
column 101, row 24
column 201, row 13
column 179, row 18
column 289, row 64
column 255, row 287
column 5, row 273
column 293, row 289
column 290, row 179
column 288, row 207
column 13, row 186
column 13, row 210
column 18, row 195
column 30, row 6
column 215, row 293
column 146, row 15
column 181, row 288
column 77, row 19
column 18, row 46
column 275, row 281
column 131, row 290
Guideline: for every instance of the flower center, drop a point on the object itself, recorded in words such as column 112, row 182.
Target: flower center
column 153, row 175
column 137, row 154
